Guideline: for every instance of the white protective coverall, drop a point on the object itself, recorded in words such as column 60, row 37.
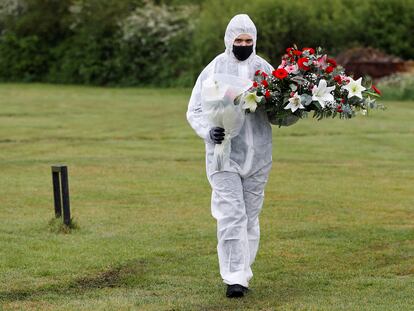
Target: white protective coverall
column 238, row 192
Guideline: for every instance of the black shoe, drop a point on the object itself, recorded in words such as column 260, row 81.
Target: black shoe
column 236, row 290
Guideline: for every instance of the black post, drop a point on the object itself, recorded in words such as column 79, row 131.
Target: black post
column 65, row 195
column 61, row 197
column 56, row 192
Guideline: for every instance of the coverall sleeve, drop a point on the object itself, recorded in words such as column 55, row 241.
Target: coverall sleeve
column 267, row 67
column 195, row 115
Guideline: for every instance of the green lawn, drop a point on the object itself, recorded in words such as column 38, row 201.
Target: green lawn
column 337, row 224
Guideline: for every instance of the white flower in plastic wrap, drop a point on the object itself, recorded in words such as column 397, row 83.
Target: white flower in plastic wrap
column 322, row 93
column 251, row 100
column 218, row 94
column 354, row 88
column 213, row 90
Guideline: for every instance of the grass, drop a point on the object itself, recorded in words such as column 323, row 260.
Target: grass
column 337, row 225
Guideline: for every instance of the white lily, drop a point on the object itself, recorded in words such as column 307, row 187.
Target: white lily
column 354, row 88
column 322, row 93
column 251, row 100
column 295, row 103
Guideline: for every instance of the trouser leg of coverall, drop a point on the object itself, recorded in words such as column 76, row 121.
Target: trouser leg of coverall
column 227, row 206
column 236, row 204
column 253, row 191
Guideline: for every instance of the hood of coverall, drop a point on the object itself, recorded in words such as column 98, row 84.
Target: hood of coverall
column 239, row 24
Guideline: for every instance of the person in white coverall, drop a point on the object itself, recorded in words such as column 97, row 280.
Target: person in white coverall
column 237, row 192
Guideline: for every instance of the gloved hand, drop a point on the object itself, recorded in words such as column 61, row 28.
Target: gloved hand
column 217, row 134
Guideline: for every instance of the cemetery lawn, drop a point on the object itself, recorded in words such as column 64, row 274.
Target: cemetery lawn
column 337, row 224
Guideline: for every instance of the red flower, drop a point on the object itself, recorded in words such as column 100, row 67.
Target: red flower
column 329, row 69
column 332, row 62
column 255, row 84
column 289, row 50
column 257, row 72
column 339, row 108
column 297, row 53
column 264, row 83
column 311, row 51
column 338, row 79
column 267, row 94
column 376, row 90
column 264, row 74
column 342, row 100
column 280, row 73
column 301, row 64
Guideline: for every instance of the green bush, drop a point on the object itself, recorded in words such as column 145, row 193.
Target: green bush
column 31, row 29
column 146, row 46
column 387, row 25
column 168, row 42
column 333, row 24
column 23, row 59
column 155, row 44
column 89, row 54
column 94, row 63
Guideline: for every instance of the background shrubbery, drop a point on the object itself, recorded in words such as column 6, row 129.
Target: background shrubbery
column 398, row 86
column 166, row 43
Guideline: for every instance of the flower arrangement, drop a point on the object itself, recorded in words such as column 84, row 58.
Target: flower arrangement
column 308, row 80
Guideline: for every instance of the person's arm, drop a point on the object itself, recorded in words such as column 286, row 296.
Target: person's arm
column 266, row 67
column 195, row 115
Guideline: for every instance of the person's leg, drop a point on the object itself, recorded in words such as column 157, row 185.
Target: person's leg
column 227, row 207
column 253, row 193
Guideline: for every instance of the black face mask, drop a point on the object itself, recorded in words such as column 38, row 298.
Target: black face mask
column 242, row 52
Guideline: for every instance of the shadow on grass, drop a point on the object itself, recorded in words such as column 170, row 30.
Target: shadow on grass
column 119, row 276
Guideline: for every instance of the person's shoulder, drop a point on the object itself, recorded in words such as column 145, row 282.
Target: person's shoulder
column 222, row 57
column 211, row 65
column 262, row 63
column 261, row 60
